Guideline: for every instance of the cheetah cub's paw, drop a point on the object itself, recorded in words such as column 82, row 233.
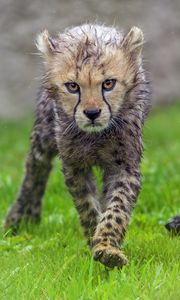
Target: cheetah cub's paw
column 109, row 256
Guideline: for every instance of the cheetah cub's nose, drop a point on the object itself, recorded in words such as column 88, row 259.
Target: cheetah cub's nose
column 92, row 114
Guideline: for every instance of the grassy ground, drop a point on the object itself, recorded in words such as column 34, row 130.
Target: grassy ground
column 52, row 261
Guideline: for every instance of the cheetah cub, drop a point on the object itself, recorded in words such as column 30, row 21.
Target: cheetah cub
column 90, row 111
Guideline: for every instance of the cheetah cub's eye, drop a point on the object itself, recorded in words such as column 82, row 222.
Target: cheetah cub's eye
column 72, row 87
column 108, row 84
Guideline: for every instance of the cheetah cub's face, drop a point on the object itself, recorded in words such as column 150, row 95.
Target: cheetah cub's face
column 91, row 68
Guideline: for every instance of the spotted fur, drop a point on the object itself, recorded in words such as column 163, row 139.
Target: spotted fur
column 88, row 55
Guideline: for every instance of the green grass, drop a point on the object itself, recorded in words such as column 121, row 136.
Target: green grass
column 52, row 261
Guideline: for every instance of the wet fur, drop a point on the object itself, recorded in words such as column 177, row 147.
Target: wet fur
column 88, row 55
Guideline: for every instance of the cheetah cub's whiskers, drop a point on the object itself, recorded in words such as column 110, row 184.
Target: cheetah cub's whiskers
column 91, row 107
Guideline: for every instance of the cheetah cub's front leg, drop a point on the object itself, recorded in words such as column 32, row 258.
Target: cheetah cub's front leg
column 121, row 191
column 82, row 187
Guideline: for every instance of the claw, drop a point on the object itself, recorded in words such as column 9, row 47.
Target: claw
column 110, row 257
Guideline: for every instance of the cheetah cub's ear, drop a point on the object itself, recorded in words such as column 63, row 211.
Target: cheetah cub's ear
column 46, row 44
column 133, row 42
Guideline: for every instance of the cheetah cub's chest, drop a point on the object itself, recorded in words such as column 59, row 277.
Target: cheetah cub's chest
column 91, row 151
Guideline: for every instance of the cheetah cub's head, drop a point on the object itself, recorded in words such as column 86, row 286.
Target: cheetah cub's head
column 92, row 68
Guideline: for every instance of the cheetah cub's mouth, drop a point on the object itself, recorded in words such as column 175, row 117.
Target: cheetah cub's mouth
column 93, row 126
